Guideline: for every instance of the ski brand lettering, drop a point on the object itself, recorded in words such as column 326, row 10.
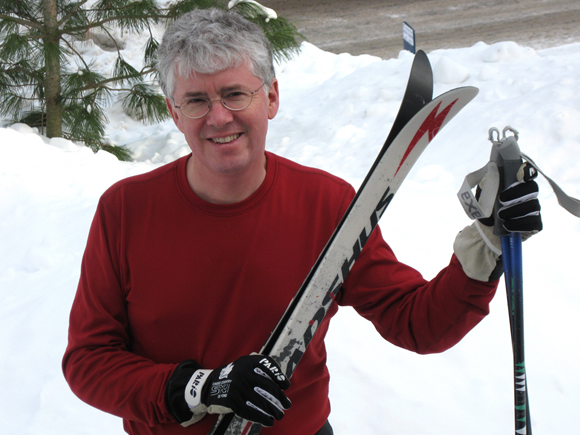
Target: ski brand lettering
column 338, row 280
column 431, row 125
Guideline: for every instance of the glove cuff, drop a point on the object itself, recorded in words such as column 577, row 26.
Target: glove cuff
column 479, row 251
column 193, row 391
column 176, row 392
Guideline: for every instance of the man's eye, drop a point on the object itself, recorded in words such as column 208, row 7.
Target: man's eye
column 196, row 101
column 235, row 95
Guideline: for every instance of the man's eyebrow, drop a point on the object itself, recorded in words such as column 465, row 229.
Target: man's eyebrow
column 222, row 91
column 233, row 88
column 195, row 94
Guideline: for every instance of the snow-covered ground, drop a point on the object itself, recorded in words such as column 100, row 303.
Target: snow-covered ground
column 335, row 114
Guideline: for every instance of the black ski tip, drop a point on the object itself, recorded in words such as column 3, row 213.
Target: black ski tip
column 420, row 86
column 418, row 93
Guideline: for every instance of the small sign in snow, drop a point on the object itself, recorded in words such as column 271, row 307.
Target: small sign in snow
column 408, row 37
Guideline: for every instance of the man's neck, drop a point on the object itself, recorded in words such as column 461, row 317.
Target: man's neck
column 224, row 188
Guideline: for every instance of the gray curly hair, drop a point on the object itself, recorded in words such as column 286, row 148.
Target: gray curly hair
column 212, row 40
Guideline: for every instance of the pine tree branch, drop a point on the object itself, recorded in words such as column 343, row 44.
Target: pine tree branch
column 126, row 13
column 76, row 53
column 113, row 39
column 101, row 23
column 20, row 69
column 103, row 83
column 69, row 15
column 21, row 98
column 26, row 23
column 159, row 14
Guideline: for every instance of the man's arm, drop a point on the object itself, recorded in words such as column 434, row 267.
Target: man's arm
column 98, row 363
column 410, row 312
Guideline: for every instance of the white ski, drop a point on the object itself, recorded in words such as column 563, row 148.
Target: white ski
column 291, row 337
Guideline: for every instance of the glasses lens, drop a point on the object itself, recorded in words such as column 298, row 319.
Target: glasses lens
column 195, row 108
column 237, row 100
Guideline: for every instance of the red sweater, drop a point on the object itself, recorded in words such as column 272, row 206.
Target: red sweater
column 168, row 277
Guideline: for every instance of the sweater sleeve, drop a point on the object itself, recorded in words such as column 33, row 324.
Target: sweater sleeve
column 98, row 363
column 409, row 311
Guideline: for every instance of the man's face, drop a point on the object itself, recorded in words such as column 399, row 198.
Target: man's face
column 223, row 141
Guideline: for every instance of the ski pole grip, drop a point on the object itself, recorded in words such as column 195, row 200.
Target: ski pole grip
column 507, row 155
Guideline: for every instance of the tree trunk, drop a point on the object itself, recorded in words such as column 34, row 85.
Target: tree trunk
column 52, row 65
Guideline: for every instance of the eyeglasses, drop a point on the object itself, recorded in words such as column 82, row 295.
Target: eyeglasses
column 198, row 107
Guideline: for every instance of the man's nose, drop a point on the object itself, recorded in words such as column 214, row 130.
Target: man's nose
column 218, row 115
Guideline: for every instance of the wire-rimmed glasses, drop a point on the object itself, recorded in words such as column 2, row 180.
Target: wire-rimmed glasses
column 236, row 100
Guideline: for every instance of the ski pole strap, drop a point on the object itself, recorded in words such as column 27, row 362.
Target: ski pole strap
column 482, row 208
column 488, row 179
column 570, row 204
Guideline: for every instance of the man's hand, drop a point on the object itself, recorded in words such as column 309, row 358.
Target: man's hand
column 478, row 248
column 251, row 387
column 520, row 208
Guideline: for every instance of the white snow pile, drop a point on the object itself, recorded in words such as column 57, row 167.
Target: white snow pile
column 336, row 111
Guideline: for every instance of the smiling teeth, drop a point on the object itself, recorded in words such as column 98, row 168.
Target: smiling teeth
column 225, row 139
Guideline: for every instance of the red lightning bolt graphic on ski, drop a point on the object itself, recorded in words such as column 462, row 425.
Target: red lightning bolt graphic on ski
column 431, row 125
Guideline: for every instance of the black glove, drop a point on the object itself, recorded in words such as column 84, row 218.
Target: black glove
column 520, row 208
column 251, row 387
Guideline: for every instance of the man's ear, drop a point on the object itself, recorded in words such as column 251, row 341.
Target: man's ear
column 273, row 99
column 174, row 113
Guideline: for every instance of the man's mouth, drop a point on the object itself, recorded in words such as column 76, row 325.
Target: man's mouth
column 226, row 139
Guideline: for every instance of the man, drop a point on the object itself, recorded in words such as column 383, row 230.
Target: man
column 189, row 267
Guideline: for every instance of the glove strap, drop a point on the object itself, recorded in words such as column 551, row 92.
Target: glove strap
column 193, row 390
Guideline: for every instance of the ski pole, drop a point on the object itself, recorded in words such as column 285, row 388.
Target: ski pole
column 507, row 155
column 499, row 173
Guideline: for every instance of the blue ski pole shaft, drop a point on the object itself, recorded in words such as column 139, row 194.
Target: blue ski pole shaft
column 512, row 258
column 506, row 153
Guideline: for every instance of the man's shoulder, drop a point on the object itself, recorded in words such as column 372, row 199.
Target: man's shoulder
column 301, row 173
column 146, row 181
column 312, row 192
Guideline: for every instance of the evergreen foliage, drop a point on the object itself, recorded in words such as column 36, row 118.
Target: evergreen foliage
column 48, row 81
